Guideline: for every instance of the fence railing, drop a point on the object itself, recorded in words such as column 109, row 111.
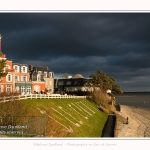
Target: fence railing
column 37, row 96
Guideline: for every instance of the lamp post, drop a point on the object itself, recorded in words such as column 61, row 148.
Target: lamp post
column 25, row 84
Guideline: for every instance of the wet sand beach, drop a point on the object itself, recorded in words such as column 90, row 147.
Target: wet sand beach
column 138, row 122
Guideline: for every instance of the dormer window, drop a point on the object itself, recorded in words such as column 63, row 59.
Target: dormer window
column 16, row 68
column 50, row 74
column 38, row 78
column 45, row 74
column 24, row 69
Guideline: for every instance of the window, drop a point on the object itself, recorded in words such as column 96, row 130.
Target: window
column 9, row 78
column 50, row 74
column 16, row 68
column 38, row 78
column 68, row 83
column 37, row 88
column 8, row 88
column 45, row 74
column 24, row 78
column 16, row 78
column 26, row 90
column 23, row 69
column 22, row 89
column 7, row 67
column 1, row 88
column 77, row 82
column 50, row 82
column 60, row 82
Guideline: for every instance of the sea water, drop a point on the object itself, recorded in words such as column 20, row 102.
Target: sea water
column 137, row 99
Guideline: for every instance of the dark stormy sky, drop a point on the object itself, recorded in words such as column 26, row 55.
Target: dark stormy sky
column 116, row 43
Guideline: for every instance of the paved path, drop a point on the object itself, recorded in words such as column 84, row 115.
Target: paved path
column 138, row 122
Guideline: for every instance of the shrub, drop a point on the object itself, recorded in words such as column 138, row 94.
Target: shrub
column 103, row 100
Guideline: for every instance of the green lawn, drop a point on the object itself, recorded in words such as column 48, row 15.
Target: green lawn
column 64, row 117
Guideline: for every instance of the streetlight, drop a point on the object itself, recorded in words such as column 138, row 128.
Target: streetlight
column 25, row 84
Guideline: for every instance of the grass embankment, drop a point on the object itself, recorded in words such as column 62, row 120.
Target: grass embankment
column 64, row 117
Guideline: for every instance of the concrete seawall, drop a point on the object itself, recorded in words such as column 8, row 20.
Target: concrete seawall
column 138, row 122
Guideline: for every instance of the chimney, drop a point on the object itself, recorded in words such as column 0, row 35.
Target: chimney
column 0, row 43
column 30, row 67
column 46, row 68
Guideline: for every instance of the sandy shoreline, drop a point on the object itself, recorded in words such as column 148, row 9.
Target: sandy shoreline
column 138, row 122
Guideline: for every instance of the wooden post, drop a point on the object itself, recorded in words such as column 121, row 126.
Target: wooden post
column 12, row 98
column 4, row 99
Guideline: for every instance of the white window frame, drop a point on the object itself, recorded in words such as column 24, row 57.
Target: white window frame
column 37, row 88
column 50, row 74
column 38, row 78
column 7, row 67
column 24, row 78
column 16, row 78
column 16, row 67
column 8, row 88
column 24, row 70
column 50, row 82
column 45, row 74
column 28, row 89
column 7, row 78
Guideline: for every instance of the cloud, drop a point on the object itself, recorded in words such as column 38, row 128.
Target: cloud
column 117, row 43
